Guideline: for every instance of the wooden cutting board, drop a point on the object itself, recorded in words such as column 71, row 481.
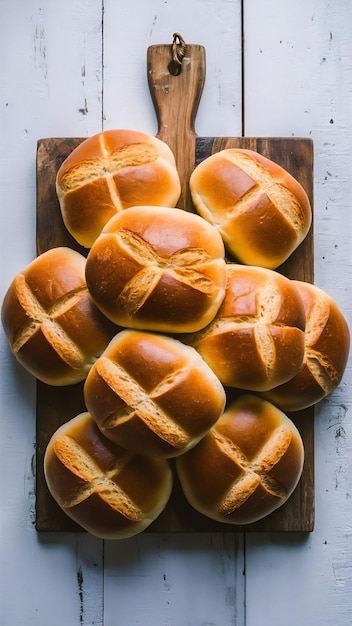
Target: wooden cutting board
column 176, row 96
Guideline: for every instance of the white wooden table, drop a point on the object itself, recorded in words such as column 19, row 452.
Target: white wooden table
column 71, row 68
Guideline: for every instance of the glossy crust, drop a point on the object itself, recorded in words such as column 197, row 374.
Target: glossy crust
column 261, row 211
column 327, row 345
column 111, row 493
column 152, row 394
column 256, row 340
column 157, row 269
column 51, row 322
column 246, row 467
column 109, row 172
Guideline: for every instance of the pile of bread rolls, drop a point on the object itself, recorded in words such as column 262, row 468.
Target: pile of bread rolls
column 185, row 353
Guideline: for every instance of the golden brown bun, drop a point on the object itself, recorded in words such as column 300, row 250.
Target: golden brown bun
column 51, row 322
column 157, row 269
column 247, row 465
column 256, row 340
column 152, row 394
column 327, row 344
column 261, row 211
column 110, row 492
column 110, row 171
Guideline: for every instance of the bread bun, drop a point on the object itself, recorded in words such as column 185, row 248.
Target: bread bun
column 327, row 344
column 157, row 269
column 152, row 394
column 51, row 322
column 246, row 467
column 256, row 340
column 111, row 493
column 261, row 211
column 110, row 171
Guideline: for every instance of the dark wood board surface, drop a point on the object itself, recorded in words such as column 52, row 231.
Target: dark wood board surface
column 57, row 405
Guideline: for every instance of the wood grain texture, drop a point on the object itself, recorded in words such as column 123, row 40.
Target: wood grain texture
column 299, row 68
column 56, row 405
column 176, row 99
column 70, row 69
column 176, row 580
column 50, row 55
column 50, row 228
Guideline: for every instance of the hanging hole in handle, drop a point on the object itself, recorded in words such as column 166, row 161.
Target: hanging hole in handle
column 174, row 68
column 178, row 53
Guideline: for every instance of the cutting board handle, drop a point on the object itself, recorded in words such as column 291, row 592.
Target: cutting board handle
column 176, row 98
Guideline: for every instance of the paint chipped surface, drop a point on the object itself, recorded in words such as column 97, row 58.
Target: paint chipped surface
column 80, row 594
column 294, row 88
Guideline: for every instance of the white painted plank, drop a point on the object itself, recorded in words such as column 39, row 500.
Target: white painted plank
column 130, row 27
column 52, row 69
column 298, row 81
column 298, row 74
column 170, row 580
column 173, row 579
